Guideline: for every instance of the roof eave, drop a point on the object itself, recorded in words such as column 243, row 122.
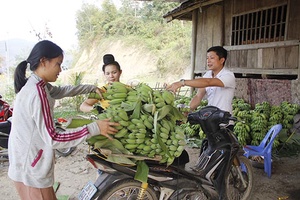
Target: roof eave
column 186, row 13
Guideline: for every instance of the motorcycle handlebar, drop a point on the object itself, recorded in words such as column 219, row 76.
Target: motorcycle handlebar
column 232, row 118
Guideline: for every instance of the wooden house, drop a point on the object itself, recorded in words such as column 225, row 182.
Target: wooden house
column 262, row 39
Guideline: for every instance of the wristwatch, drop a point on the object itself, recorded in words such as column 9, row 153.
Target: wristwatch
column 182, row 82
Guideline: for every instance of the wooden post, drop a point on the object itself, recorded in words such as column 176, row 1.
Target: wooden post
column 194, row 45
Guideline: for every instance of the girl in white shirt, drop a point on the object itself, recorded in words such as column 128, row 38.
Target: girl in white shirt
column 33, row 136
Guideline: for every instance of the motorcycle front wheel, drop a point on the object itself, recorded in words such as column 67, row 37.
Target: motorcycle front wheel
column 64, row 152
column 127, row 189
column 239, row 182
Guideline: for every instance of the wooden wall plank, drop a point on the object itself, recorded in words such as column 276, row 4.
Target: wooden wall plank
column 294, row 20
column 228, row 60
column 279, row 58
column 227, row 22
column 292, row 59
column 234, row 58
column 243, row 59
column 268, row 58
column 252, row 58
column 210, row 32
column 200, row 63
column 260, row 58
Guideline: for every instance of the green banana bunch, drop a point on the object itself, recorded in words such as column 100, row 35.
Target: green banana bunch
column 158, row 99
column 145, row 92
column 242, row 131
column 202, row 135
column 168, row 97
column 132, row 96
column 147, row 121
column 117, row 87
column 117, row 93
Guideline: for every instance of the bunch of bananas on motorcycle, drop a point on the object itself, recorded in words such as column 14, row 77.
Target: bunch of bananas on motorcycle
column 147, row 121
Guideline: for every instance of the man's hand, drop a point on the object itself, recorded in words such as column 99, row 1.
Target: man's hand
column 174, row 86
column 185, row 113
column 107, row 127
column 98, row 91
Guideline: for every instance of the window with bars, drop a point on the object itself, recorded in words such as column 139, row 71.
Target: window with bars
column 261, row 26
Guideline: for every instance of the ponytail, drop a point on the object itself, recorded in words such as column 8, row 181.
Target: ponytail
column 20, row 76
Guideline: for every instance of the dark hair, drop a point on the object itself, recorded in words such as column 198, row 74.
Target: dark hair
column 43, row 49
column 109, row 59
column 220, row 51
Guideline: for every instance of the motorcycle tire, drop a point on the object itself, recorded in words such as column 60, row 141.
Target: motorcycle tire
column 234, row 187
column 64, row 152
column 126, row 189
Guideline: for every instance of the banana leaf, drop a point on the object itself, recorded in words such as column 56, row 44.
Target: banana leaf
column 137, row 110
column 122, row 160
column 128, row 106
column 149, row 107
column 168, row 109
column 142, row 171
column 116, row 147
column 162, row 112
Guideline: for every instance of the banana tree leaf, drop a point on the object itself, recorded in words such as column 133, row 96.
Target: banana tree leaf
column 168, row 109
column 116, row 147
column 149, row 107
column 142, row 171
column 177, row 114
column 75, row 123
column 137, row 110
column 128, row 106
column 119, row 160
column 162, row 112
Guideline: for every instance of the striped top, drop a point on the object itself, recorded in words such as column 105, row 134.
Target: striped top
column 33, row 136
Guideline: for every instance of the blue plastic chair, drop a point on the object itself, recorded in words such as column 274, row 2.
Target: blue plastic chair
column 265, row 148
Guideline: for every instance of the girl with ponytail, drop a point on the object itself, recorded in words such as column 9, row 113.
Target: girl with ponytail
column 33, row 137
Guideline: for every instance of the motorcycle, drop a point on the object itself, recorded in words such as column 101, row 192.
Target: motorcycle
column 222, row 172
column 5, row 126
column 5, row 110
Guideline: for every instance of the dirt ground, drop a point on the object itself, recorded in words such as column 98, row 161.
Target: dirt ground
column 73, row 172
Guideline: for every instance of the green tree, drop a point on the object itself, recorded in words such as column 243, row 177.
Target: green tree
column 141, row 23
column 154, row 10
column 128, row 8
column 87, row 22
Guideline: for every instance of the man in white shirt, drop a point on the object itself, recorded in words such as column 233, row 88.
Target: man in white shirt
column 218, row 83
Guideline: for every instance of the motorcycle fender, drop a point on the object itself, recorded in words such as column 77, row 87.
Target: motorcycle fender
column 104, row 180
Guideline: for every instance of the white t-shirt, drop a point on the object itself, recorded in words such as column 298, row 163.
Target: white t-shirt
column 221, row 97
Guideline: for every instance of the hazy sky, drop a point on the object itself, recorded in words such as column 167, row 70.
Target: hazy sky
column 18, row 19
